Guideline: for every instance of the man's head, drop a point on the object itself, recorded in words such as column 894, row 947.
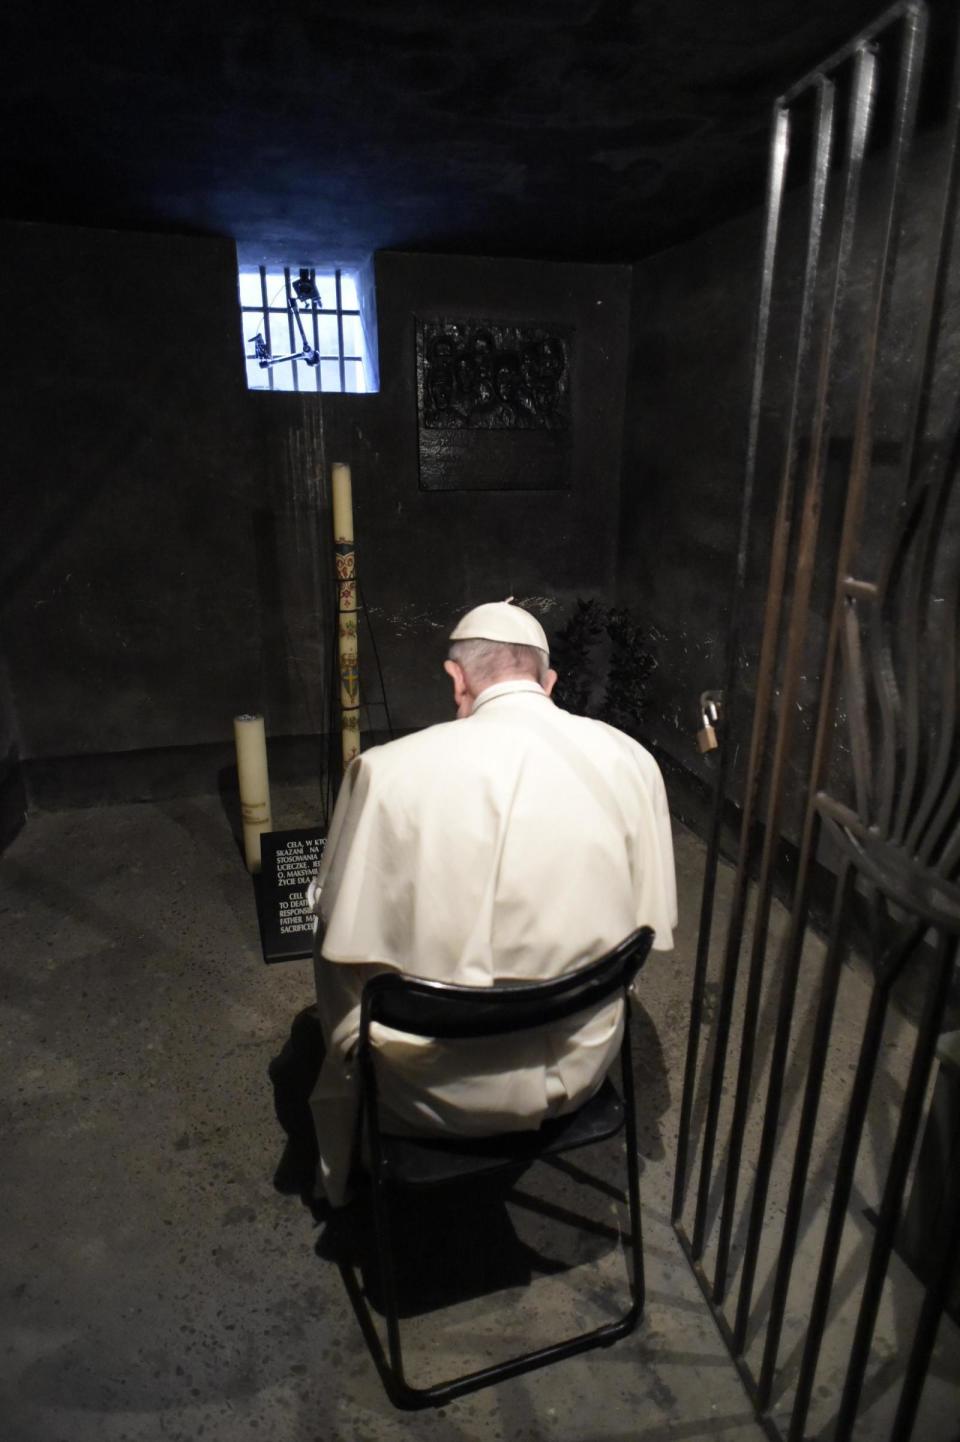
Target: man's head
column 492, row 643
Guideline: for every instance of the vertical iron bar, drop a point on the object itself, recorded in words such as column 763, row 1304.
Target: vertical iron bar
column 856, row 694
column 929, row 800
column 856, row 145
column 808, row 1118
column 930, row 499
column 796, row 636
column 936, row 786
column 811, row 1104
column 293, row 344
column 316, row 333
column 343, row 371
column 761, row 718
column 266, row 320
column 926, row 833
column 909, row 1125
column 920, row 403
column 856, row 495
column 856, row 1115
column 633, row 1167
column 915, row 24
column 779, row 151
column 946, row 1253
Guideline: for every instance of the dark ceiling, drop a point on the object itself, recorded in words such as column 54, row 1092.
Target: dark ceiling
column 310, row 129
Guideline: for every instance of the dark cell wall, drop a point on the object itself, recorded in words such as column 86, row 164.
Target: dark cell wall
column 12, row 792
column 129, row 608
column 424, row 556
column 167, row 556
column 684, row 440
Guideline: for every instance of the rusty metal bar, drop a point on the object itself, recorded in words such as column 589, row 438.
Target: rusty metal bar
column 852, row 513
column 915, row 829
column 920, row 409
column 858, row 131
column 936, row 786
column 929, row 830
column 829, row 984
column 915, row 22
column 860, row 752
column 859, row 590
column 803, row 582
column 779, row 152
column 907, row 97
column 934, row 497
column 907, row 1131
column 853, row 1132
column 946, row 1254
column 767, row 663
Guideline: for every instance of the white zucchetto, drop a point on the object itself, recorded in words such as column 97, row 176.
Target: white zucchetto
column 501, row 621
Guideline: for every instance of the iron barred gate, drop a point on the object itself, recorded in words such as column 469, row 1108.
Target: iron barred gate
column 827, row 961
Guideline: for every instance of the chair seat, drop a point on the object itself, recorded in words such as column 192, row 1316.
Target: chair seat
column 432, row 1161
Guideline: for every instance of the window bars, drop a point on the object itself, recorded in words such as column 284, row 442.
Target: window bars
column 304, row 344
column 854, row 702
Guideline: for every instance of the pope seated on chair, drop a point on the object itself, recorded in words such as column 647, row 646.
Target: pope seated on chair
column 516, row 843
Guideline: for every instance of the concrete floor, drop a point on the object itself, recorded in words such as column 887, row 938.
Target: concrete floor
column 155, row 1283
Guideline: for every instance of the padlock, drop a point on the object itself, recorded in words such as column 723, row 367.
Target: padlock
column 707, row 735
column 710, row 703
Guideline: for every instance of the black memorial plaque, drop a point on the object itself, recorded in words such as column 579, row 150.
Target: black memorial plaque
column 289, row 861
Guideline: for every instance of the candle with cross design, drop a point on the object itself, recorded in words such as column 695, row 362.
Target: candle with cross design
column 345, row 558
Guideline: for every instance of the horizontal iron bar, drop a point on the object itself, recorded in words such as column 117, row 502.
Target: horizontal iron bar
column 872, row 31
column 859, row 590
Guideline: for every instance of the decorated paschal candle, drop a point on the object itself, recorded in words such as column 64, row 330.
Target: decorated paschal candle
column 346, row 564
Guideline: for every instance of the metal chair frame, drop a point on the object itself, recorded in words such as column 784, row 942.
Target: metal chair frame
column 449, row 1012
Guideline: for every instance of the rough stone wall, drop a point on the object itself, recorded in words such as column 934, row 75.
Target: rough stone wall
column 424, row 556
column 129, row 608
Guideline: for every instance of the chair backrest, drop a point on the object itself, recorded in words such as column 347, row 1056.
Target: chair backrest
column 445, row 1010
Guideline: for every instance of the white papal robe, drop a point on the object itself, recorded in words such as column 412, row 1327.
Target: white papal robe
column 513, row 845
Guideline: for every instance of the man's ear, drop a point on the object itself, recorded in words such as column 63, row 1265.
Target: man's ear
column 455, row 671
column 461, row 695
column 549, row 681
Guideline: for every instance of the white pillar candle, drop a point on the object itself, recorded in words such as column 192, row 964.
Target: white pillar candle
column 342, row 488
column 251, row 742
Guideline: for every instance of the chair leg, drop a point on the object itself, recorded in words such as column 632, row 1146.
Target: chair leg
column 406, row 1396
column 401, row 1393
column 633, row 1170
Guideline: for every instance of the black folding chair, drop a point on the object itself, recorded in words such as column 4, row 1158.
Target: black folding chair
column 449, row 1012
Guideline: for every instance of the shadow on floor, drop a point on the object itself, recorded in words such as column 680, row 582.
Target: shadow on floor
column 460, row 1244
column 450, row 1247
column 293, row 1073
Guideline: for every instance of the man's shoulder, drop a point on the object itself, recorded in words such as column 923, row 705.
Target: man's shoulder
column 600, row 731
column 602, row 737
column 407, row 751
